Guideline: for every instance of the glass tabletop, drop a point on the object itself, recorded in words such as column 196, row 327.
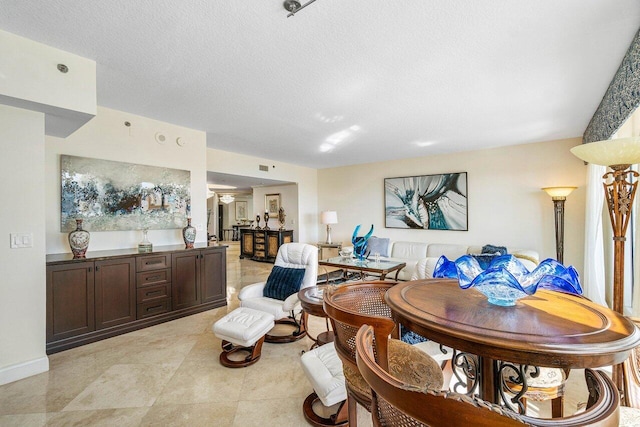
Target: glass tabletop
column 382, row 264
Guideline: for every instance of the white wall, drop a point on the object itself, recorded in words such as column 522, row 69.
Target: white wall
column 22, row 282
column 306, row 178
column 106, row 137
column 31, row 80
column 505, row 200
column 288, row 200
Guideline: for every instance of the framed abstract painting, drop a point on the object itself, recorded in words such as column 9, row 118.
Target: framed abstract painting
column 427, row 202
column 111, row 195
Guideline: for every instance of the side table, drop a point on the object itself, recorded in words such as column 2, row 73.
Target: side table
column 333, row 247
column 311, row 301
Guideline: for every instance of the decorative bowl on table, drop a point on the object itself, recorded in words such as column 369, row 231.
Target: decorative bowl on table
column 506, row 280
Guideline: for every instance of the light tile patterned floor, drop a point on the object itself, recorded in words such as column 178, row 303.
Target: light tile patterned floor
column 169, row 375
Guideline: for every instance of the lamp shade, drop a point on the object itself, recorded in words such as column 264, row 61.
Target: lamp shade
column 329, row 217
column 622, row 151
column 559, row 191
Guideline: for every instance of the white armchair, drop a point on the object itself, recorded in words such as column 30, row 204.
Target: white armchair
column 289, row 311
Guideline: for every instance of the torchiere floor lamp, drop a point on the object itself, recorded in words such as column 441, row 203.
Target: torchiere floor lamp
column 620, row 189
column 559, row 195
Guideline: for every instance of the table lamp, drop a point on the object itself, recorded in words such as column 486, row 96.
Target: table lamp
column 620, row 189
column 328, row 218
column 559, row 195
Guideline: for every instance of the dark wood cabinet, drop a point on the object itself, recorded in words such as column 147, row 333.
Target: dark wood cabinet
column 70, row 297
column 263, row 245
column 214, row 276
column 185, row 273
column 113, row 292
column 198, row 277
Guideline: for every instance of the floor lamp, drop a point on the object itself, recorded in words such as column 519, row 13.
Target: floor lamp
column 620, row 185
column 559, row 195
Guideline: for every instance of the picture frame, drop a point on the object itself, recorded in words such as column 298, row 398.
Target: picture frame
column 427, row 202
column 241, row 210
column 272, row 204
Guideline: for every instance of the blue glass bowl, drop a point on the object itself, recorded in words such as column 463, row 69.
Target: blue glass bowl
column 506, row 280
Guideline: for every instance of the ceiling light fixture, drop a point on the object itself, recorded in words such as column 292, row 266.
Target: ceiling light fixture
column 227, row 198
column 294, row 6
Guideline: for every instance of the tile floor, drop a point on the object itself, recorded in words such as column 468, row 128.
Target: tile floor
column 169, row 375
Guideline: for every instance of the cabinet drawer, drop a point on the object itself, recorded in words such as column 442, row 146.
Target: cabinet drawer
column 259, row 254
column 153, row 262
column 152, row 293
column 259, row 247
column 154, row 307
column 150, row 278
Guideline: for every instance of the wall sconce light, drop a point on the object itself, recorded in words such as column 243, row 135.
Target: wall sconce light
column 328, row 218
column 559, row 195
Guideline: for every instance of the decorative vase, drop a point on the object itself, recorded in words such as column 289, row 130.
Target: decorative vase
column 258, row 222
column 360, row 243
column 145, row 245
column 266, row 221
column 79, row 240
column 506, row 280
column 281, row 218
column 189, row 234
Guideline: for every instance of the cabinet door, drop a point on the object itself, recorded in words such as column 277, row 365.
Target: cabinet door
column 185, row 279
column 246, row 244
column 70, row 296
column 214, row 275
column 115, row 292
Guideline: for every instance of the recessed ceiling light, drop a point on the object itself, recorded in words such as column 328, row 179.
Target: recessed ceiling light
column 221, row 187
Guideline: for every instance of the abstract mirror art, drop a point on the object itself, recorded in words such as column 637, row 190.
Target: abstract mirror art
column 430, row 202
column 110, row 195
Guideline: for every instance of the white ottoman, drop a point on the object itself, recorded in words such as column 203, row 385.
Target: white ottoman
column 242, row 330
column 323, row 369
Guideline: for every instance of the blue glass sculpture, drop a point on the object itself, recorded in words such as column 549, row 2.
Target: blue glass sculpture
column 506, row 280
column 360, row 243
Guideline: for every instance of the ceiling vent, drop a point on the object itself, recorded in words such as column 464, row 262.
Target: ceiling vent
column 263, row 168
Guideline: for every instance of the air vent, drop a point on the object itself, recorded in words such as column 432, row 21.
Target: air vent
column 263, row 168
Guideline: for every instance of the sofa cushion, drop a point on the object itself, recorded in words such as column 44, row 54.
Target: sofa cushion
column 379, row 245
column 409, row 250
column 450, row 251
column 494, row 250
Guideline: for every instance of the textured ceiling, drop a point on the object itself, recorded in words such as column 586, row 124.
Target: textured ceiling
column 346, row 82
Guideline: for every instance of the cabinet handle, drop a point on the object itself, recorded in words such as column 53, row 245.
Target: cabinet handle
column 153, row 262
column 154, row 293
column 154, row 278
column 155, row 307
column 89, row 269
column 97, row 268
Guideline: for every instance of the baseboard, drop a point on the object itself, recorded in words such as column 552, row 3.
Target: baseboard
column 23, row 370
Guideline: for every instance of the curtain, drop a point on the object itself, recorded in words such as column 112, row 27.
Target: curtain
column 594, row 282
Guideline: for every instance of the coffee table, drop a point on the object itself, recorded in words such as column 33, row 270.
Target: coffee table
column 382, row 267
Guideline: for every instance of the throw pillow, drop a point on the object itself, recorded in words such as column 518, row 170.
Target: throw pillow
column 379, row 245
column 283, row 282
column 494, row 250
column 484, row 260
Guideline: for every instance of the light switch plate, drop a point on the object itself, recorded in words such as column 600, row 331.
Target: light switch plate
column 21, row 240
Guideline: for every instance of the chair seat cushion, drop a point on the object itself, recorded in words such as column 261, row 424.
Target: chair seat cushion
column 629, row 417
column 413, row 366
column 323, row 368
column 283, row 282
column 268, row 305
column 243, row 326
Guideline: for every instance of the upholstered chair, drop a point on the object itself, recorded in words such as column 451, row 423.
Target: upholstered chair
column 398, row 402
column 295, row 268
column 349, row 307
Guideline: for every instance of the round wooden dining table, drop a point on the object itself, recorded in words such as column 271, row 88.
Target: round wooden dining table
column 549, row 329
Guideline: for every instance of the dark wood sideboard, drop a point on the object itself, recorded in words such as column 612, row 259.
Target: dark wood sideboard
column 113, row 292
column 263, row 245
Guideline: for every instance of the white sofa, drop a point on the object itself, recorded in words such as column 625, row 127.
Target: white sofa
column 421, row 257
